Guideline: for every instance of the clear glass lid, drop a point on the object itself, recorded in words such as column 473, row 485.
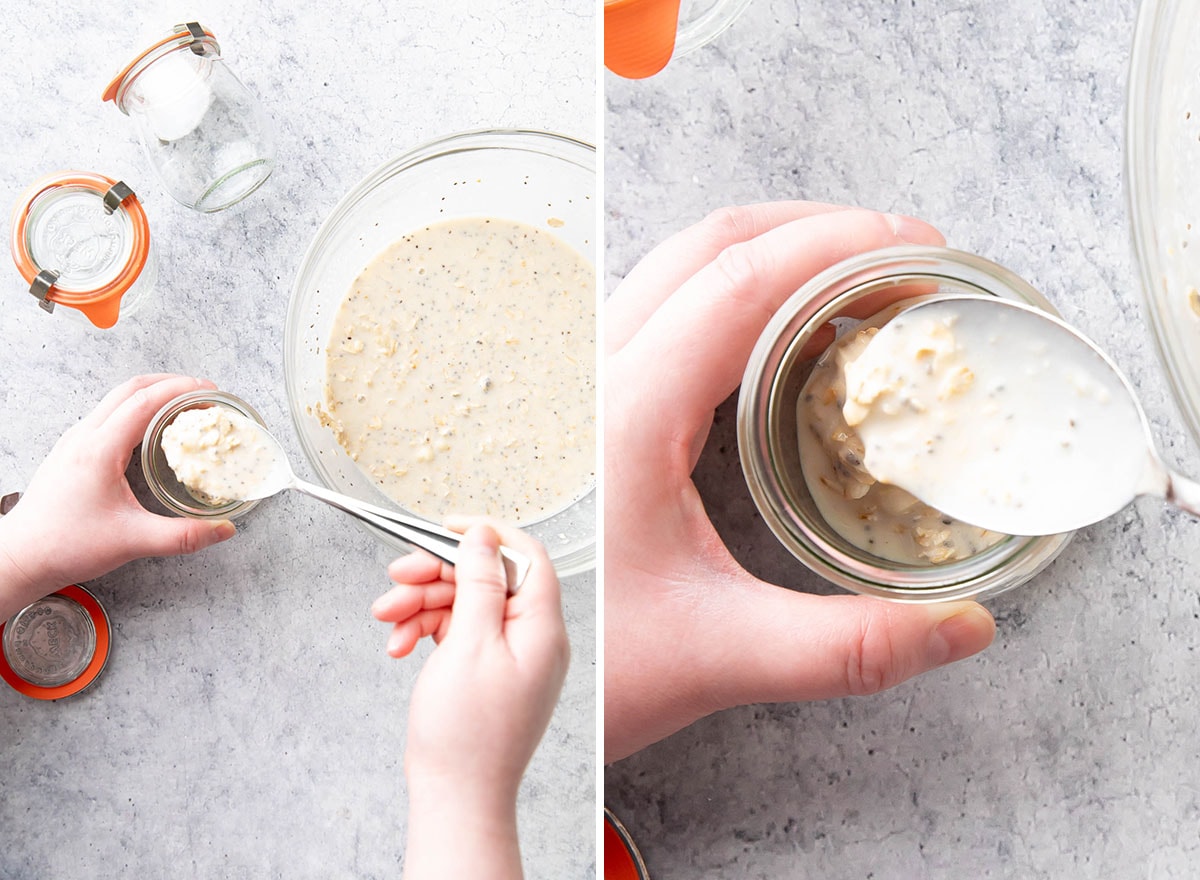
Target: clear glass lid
column 82, row 240
column 70, row 231
column 50, row 642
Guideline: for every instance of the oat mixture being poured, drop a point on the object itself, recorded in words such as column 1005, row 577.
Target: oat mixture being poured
column 882, row 519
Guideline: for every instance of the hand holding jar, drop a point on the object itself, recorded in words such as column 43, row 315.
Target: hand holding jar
column 688, row 631
column 79, row 518
column 483, row 699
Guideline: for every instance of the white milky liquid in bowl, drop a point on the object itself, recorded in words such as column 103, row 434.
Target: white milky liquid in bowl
column 460, row 371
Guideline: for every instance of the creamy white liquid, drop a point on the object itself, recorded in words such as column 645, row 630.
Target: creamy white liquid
column 218, row 454
column 995, row 415
column 460, row 371
column 883, row 520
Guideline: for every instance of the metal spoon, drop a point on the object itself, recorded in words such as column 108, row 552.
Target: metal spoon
column 1044, row 436
column 441, row 542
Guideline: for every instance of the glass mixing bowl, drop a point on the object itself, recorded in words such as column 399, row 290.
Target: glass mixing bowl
column 542, row 179
column 1162, row 182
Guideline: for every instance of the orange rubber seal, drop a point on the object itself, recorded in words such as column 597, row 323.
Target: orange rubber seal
column 622, row 861
column 184, row 38
column 639, row 36
column 102, row 306
column 90, row 673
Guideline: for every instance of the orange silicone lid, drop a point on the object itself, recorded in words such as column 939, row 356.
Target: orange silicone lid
column 102, row 306
column 622, row 861
column 639, row 36
column 90, row 673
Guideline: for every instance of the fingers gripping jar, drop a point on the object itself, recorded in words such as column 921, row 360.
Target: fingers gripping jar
column 205, row 133
column 769, row 424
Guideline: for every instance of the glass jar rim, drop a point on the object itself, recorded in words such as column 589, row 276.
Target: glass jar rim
column 151, row 450
column 182, row 36
column 984, row 574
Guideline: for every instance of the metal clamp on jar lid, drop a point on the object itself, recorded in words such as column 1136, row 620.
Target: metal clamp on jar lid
column 206, row 135
column 82, row 240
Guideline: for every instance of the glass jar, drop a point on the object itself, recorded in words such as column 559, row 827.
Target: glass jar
column 82, row 240
column 171, row 493
column 206, row 135
column 768, row 444
column 56, row 646
column 641, row 36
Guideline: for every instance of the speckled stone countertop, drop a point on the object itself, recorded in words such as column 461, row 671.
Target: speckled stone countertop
column 1069, row 748
column 249, row 723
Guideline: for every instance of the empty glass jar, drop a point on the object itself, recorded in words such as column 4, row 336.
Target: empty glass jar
column 206, row 135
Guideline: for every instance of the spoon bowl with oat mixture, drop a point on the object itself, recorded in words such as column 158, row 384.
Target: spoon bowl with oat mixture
column 1005, row 417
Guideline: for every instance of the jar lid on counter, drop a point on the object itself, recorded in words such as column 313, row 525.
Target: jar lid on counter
column 80, row 240
column 56, row 646
column 622, row 861
column 199, row 39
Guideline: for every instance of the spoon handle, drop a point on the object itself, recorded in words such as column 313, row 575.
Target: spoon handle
column 439, row 541
column 1183, row 493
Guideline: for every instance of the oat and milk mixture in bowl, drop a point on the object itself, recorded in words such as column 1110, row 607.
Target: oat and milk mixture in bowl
column 461, row 371
column 439, row 350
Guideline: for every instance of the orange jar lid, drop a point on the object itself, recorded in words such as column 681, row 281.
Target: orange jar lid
column 622, row 861
column 80, row 240
column 56, row 646
column 639, row 36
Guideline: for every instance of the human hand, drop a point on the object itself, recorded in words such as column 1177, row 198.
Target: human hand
column 483, row 699
column 79, row 519
column 687, row 630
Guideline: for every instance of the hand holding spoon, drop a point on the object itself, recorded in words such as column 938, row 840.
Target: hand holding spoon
column 1003, row 416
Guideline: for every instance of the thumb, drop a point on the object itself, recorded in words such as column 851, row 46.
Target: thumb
column 797, row 646
column 167, row 536
column 481, row 588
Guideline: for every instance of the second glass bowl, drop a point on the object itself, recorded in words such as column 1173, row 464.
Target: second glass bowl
column 1162, row 178
column 767, row 435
